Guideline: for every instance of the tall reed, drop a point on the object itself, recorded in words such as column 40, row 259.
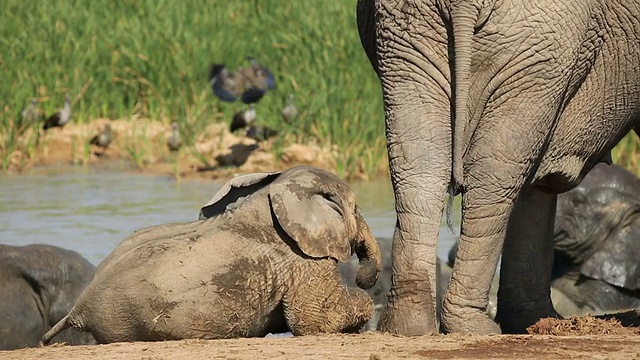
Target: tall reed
column 151, row 57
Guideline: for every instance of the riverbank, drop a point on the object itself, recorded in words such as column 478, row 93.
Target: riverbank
column 215, row 153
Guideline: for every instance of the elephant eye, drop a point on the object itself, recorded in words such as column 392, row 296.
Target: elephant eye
column 334, row 202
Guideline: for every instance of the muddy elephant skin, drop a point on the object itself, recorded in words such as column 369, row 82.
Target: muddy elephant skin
column 39, row 285
column 262, row 259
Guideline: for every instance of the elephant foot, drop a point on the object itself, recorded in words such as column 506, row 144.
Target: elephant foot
column 409, row 318
column 469, row 321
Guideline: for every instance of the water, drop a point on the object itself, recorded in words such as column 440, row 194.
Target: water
column 91, row 210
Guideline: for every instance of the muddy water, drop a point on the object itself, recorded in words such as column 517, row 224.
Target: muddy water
column 91, row 210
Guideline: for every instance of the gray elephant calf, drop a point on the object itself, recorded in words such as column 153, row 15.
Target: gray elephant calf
column 597, row 244
column 39, row 284
column 262, row 259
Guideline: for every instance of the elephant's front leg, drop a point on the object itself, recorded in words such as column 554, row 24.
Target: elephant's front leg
column 321, row 304
column 525, row 275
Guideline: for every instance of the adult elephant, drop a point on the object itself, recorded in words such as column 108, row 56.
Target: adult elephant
column 597, row 247
column 508, row 103
column 39, row 285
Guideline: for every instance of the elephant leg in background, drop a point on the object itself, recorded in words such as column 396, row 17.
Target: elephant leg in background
column 324, row 305
column 527, row 257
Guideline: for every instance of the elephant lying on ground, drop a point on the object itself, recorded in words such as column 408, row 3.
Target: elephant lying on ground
column 262, row 259
column 597, row 243
column 38, row 285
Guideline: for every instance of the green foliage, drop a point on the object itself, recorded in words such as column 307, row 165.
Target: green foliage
column 151, row 58
column 626, row 153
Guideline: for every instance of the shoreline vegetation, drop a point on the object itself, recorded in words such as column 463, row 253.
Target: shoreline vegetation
column 146, row 63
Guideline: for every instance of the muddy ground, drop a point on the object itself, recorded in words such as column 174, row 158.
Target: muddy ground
column 577, row 338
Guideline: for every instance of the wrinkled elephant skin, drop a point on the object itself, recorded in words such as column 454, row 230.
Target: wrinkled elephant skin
column 597, row 250
column 507, row 104
column 262, row 259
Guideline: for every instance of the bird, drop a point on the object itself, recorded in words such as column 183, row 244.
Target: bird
column 243, row 118
column 28, row 116
column 103, row 139
column 174, row 140
column 260, row 133
column 290, row 111
column 248, row 83
column 223, row 83
column 60, row 117
column 260, row 80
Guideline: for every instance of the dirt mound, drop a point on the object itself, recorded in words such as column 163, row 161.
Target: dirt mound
column 626, row 323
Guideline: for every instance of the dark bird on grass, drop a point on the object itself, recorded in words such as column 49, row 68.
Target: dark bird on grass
column 60, row 117
column 243, row 118
column 103, row 139
column 224, row 85
column 260, row 80
column 174, row 140
column 290, row 111
column 28, row 116
column 260, row 133
column 249, row 84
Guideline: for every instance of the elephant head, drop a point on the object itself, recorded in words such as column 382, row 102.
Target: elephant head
column 597, row 226
column 314, row 208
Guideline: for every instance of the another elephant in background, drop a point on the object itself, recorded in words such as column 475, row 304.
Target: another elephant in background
column 39, row 284
column 507, row 104
column 597, row 243
column 596, row 268
column 262, row 259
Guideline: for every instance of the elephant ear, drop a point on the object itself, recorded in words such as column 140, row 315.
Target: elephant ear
column 312, row 218
column 617, row 263
column 233, row 191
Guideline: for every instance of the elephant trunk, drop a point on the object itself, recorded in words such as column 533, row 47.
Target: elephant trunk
column 368, row 254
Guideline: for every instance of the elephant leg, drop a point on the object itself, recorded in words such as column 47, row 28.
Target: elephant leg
column 527, row 258
column 419, row 159
column 482, row 234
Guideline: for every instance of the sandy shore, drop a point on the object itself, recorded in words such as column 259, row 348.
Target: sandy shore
column 216, row 153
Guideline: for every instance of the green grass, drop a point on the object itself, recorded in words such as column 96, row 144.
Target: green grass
column 151, row 58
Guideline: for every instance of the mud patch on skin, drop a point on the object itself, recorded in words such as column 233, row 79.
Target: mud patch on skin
column 586, row 325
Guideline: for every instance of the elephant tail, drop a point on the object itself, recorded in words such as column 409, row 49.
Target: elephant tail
column 466, row 19
column 63, row 324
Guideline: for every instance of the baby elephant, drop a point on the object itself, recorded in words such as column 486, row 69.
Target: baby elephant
column 263, row 258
